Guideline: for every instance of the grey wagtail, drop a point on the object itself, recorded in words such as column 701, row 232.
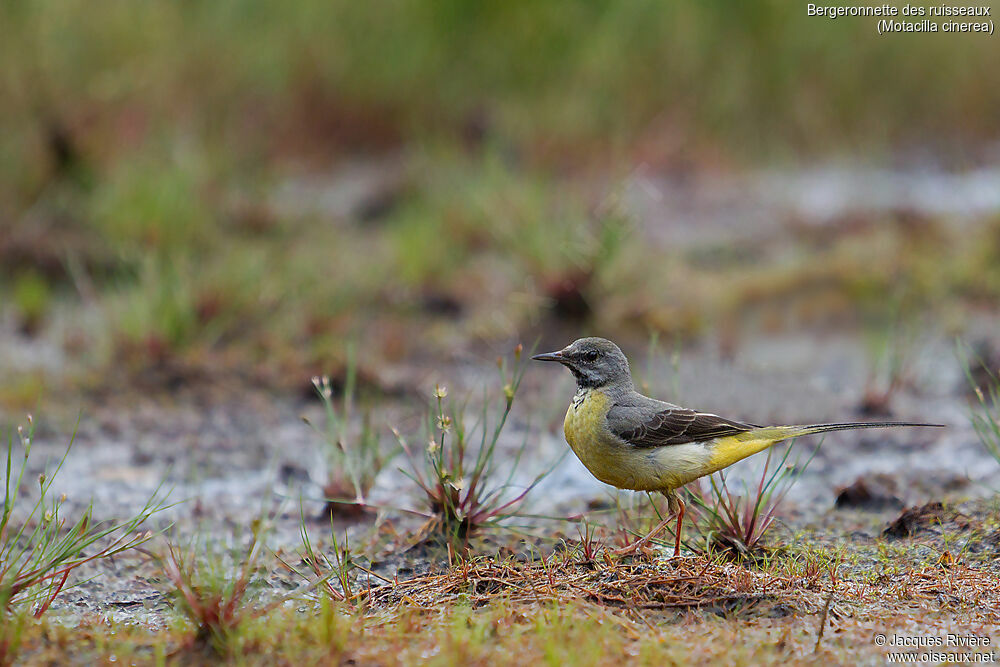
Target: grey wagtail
column 631, row 441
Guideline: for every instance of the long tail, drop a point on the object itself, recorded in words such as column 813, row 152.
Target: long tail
column 730, row 449
column 809, row 429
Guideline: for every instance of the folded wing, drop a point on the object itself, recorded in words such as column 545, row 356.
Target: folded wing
column 669, row 426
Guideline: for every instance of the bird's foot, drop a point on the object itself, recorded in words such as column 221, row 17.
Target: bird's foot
column 640, row 544
column 632, row 549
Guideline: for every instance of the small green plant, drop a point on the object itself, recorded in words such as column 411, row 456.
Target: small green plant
column 736, row 523
column 11, row 633
column 456, row 474
column 985, row 384
column 32, row 297
column 327, row 570
column 890, row 352
column 39, row 550
column 211, row 588
column 333, row 576
column 354, row 453
column 590, row 545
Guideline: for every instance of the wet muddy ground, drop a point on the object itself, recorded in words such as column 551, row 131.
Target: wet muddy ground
column 228, row 456
column 229, row 453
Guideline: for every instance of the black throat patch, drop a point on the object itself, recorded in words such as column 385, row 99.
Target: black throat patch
column 585, row 380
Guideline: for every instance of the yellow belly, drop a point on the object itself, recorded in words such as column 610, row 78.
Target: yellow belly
column 604, row 455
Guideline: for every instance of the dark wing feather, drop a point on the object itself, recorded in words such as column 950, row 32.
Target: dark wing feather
column 676, row 426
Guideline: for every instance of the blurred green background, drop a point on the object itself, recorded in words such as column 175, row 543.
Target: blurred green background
column 242, row 186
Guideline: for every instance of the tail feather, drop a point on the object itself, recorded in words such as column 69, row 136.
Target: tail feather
column 809, row 429
column 730, row 449
column 776, row 434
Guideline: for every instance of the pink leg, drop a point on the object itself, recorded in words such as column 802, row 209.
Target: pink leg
column 680, row 521
column 635, row 546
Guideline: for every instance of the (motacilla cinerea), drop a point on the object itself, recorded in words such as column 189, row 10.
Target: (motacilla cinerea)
column 631, row 441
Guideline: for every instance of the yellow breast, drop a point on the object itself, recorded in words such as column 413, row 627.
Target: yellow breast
column 584, row 424
column 606, row 457
column 620, row 464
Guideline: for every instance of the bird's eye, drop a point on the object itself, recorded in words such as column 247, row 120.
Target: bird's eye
column 590, row 355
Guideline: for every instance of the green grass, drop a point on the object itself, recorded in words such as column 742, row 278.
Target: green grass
column 457, row 471
column 558, row 607
column 985, row 383
column 32, row 297
column 737, row 524
column 215, row 588
column 333, row 575
column 193, row 266
column 41, row 549
column 759, row 78
column 147, row 140
column 353, row 451
column 555, row 634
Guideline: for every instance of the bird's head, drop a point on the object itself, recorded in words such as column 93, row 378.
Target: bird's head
column 595, row 362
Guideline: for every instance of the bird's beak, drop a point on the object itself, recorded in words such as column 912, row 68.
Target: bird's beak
column 550, row 356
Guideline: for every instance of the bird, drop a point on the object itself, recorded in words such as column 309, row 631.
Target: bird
column 632, row 441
